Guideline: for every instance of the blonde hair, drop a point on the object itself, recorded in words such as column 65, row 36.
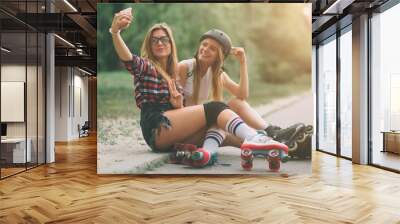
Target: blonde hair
column 146, row 52
column 217, row 71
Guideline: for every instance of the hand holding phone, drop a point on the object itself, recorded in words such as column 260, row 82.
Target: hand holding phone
column 122, row 20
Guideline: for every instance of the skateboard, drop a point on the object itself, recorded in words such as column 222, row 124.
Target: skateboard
column 273, row 156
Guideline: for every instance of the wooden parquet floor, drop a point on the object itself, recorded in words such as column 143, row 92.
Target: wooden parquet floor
column 70, row 191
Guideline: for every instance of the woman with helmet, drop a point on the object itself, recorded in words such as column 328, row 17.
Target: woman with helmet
column 204, row 73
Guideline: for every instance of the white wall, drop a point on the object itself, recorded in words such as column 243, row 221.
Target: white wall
column 14, row 73
column 12, row 101
column 80, row 84
column 70, row 83
column 62, row 81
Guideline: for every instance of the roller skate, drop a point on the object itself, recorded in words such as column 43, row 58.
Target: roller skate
column 296, row 137
column 182, row 153
column 261, row 145
column 189, row 154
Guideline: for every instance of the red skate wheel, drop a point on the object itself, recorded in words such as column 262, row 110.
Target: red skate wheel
column 247, row 165
column 246, row 154
column 203, row 157
column 274, row 164
column 273, row 153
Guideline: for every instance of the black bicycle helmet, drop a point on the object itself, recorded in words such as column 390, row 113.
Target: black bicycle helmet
column 221, row 38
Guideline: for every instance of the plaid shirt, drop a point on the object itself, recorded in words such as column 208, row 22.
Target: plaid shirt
column 150, row 86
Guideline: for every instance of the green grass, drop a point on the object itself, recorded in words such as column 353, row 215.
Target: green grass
column 116, row 99
column 115, row 95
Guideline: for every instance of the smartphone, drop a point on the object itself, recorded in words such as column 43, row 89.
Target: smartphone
column 128, row 10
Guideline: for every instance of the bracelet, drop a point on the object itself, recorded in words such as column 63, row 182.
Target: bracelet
column 109, row 30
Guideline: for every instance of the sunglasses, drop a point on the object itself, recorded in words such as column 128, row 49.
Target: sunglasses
column 164, row 40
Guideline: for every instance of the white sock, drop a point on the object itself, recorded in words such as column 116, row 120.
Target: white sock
column 214, row 139
column 237, row 127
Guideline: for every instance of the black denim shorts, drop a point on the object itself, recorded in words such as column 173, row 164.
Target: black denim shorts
column 151, row 121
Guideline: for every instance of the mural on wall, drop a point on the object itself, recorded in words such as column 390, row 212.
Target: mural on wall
column 204, row 88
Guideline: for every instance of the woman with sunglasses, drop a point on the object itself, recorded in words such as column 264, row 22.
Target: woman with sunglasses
column 204, row 74
column 163, row 119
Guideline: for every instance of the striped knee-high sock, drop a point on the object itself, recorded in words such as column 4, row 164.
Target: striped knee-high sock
column 237, row 127
column 213, row 140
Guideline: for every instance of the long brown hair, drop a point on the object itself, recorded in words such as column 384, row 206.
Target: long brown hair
column 217, row 71
column 172, row 62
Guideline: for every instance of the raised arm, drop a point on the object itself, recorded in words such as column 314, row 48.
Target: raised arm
column 121, row 21
column 240, row 90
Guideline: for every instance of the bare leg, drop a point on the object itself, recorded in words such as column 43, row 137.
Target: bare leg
column 247, row 113
column 196, row 139
column 199, row 137
column 185, row 122
column 224, row 117
column 231, row 140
